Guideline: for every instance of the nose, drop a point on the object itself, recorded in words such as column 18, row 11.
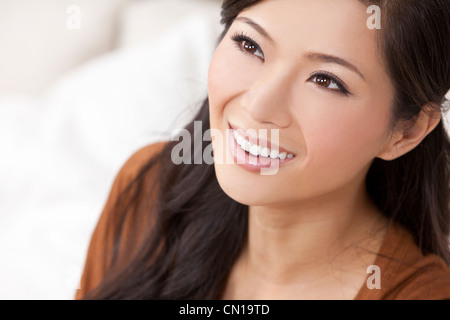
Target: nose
column 268, row 98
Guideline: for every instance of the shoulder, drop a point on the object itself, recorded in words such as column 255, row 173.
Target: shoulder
column 132, row 169
column 414, row 275
column 103, row 243
column 428, row 279
column 407, row 274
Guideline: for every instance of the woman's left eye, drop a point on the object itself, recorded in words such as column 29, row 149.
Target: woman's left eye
column 325, row 82
column 329, row 82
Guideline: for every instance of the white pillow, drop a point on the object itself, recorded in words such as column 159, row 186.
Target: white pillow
column 132, row 96
column 39, row 39
column 144, row 21
column 88, row 124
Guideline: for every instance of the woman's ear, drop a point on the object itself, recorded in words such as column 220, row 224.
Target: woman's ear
column 405, row 141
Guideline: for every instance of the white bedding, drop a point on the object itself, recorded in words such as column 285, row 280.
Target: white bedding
column 62, row 150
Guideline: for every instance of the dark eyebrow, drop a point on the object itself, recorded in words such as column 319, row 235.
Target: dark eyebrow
column 256, row 26
column 333, row 59
column 310, row 55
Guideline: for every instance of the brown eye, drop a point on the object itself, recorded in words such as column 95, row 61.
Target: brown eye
column 323, row 81
column 328, row 82
column 248, row 46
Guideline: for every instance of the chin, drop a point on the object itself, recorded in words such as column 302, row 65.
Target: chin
column 242, row 187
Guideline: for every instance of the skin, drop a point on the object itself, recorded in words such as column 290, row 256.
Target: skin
column 312, row 226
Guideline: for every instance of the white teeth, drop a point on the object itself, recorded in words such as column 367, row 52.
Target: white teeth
column 274, row 154
column 257, row 150
column 240, row 139
column 246, row 145
column 265, row 152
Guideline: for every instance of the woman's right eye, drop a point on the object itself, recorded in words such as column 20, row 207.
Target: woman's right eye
column 248, row 46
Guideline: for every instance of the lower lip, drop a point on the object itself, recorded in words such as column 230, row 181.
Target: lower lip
column 250, row 162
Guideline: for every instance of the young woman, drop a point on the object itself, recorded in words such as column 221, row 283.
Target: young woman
column 358, row 206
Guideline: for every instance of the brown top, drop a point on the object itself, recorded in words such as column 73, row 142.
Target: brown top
column 404, row 272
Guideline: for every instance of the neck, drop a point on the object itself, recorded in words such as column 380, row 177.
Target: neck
column 310, row 240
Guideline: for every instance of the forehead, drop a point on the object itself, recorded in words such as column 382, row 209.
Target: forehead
column 334, row 27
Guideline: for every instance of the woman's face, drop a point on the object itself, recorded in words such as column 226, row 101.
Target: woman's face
column 309, row 71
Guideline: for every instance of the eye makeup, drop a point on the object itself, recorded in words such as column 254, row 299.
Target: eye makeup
column 323, row 79
column 247, row 45
column 323, row 76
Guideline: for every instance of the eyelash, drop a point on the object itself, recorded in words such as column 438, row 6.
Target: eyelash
column 238, row 38
column 340, row 84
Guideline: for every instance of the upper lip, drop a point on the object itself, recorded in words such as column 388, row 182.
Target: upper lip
column 259, row 141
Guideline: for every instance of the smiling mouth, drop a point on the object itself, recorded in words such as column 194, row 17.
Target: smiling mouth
column 259, row 147
column 260, row 151
column 256, row 154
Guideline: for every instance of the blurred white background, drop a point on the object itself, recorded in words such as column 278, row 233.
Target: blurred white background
column 83, row 85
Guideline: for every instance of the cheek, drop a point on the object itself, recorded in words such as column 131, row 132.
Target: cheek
column 231, row 72
column 345, row 140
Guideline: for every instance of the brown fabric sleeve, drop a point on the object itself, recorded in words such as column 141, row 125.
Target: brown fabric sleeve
column 406, row 274
column 429, row 281
column 101, row 242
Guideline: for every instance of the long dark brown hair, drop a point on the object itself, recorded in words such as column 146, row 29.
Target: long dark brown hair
column 196, row 231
